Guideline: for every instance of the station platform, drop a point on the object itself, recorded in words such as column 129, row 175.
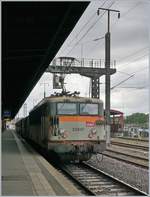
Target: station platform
column 26, row 173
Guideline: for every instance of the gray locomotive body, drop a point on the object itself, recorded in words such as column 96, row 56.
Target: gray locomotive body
column 71, row 127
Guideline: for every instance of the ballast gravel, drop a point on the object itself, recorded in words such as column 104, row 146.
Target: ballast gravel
column 135, row 176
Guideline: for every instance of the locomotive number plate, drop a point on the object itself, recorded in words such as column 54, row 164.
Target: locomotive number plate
column 77, row 129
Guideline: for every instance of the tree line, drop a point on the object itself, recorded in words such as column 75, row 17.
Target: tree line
column 137, row 118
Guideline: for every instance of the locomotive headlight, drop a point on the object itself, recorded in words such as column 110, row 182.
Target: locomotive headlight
column 61, row 131
column 93, row 131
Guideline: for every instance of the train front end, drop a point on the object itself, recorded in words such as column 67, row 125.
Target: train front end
column 77, row 130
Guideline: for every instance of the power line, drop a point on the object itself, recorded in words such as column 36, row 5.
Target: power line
column 141, row 57
column 122, row 16
column 135, row 71
column 88, row 30
column 82, row 28
column 129, row 10
column 143, row 49
column 123, row 73
column 93, row 15
column 133, row 62
column 128, row 87
column 95, row 24
column 121, row 82
column 131, row 75
column 146, row 67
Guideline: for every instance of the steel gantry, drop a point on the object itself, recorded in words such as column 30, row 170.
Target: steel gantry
column 92, row 68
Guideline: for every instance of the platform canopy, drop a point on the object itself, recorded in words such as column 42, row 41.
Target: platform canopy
column 115, row 112
column 32, row 34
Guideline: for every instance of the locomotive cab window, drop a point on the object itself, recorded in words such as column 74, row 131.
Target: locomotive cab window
column 88, row 109
column 66, row 108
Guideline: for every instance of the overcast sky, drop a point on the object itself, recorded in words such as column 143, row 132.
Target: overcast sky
column 129, row 47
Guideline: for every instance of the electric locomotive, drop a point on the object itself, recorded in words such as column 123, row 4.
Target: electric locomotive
column 70, row 127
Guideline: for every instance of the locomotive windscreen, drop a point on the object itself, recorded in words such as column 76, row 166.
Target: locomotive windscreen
column 79, row 109
column 88, row 109
column 66, row 108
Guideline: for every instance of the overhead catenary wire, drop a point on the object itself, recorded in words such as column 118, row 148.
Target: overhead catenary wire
column 125, row 73
column 122, row 16
column 137, row 51
column 134, row 87
column 121, row 82
column 82, row 28
column 129, row 10
column 131, row 75
column 88, row 30
column 138, row 58
column 131, row 55
column 120, row 71
column 145, row 68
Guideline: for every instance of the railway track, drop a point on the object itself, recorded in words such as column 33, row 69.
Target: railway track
column 129, row 145
column 128, row 157
column 133, row 139
column 97, row 182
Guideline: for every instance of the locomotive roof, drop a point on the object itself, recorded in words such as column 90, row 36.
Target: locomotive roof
column 71, row 98
column 67, row 99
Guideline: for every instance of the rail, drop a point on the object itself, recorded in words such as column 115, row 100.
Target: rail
column 98, row 182
column 128, row 158
column 129, row 145
column 133, row 139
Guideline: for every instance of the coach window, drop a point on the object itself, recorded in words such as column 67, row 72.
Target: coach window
column 66, row 108
column 88, row 109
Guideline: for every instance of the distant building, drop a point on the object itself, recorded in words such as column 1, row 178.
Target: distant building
column 134, row 130
column 117, row 123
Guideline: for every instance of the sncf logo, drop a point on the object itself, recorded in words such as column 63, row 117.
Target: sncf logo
column 90, row 124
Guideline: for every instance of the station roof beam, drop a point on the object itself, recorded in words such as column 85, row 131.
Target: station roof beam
column 32, row 34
